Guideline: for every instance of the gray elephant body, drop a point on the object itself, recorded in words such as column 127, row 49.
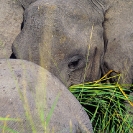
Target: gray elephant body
column 65, row 37
column 29, row 92
column 119, row 47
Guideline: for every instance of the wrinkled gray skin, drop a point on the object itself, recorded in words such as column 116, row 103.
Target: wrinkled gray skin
column 118, row 27
column 57, row 36
column 119, row 38
column 26, row 86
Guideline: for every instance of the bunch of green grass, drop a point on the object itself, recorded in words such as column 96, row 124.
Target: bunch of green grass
column 104, row 103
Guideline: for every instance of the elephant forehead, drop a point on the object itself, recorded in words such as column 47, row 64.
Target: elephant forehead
column 56, row 20
column 66, row 44
column 71, row 12
column 61, row 20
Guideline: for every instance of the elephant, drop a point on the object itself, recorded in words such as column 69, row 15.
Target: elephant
column 78, row 40
column 11, row 17
column 112, row 30
column 64, row 37
column 32, row 99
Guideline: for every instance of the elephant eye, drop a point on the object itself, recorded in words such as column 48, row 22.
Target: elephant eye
column 75, row 62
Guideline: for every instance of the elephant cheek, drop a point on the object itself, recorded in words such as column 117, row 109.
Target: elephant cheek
column 71, row 78
column 77, row 77
column 63, row 75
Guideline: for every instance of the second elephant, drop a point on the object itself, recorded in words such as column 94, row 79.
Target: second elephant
column 33, row 100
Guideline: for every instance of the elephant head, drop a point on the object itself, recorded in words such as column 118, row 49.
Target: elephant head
column 35, row 100
column 65, row 37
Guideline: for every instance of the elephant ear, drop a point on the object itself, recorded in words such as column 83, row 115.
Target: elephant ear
column 119, row 35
